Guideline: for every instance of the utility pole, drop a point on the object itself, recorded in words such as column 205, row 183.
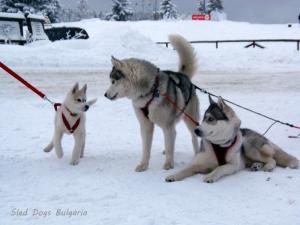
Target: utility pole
column 204, row 4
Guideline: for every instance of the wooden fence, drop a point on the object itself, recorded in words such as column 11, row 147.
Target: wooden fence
column 253, row 43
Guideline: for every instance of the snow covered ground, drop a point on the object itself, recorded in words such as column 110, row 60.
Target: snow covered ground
column 104, row 183
column 104, row 187
column 137, row 39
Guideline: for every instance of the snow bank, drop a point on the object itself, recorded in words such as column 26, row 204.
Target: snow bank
column 137, row 39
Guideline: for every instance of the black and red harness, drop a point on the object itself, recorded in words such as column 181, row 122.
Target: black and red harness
column 221, row 152
column 66, row 122
column 178, row 83
column 155, row 93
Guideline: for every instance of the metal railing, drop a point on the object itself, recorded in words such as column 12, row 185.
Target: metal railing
column 253, row 43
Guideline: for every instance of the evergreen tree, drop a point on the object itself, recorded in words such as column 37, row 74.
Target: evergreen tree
column 202, row 8
column 215, row 5
column 83, row 9
column 121, row 11
column 168, row 10
column 50, row 8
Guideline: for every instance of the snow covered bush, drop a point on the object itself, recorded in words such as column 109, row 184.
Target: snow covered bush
column 168, row 10
column 215, row 5
column 121, row 11
column 83, row 9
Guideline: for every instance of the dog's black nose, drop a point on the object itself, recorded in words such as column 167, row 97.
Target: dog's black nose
column 86, row 108
column 105, row 94
column 198, row 132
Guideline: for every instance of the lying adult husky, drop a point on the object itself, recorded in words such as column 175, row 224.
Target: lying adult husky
column 70, row 119
column 145, row 85
column 226, row 149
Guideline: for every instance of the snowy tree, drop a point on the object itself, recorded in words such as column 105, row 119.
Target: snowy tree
column 69, row 15
column 168, row 10
column 202, row 6
column 83, row 9
column 121, row 11
column 50, row 8
column 215, row 5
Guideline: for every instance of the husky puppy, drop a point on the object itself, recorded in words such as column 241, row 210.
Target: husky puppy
column 70, row 119
column 146, row 86
column 226, row 149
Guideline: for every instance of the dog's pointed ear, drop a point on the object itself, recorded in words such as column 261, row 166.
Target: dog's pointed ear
column 211, row 101
column 84, row 88
column 91, row 102
column 221, row 103
column 116, row 62
column 75, row 88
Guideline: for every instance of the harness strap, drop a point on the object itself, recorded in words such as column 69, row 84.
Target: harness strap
column 155, row 93
column 174, row 104
column 74, row 127
column 56, row 105
column 66, row 123
column 221, row 152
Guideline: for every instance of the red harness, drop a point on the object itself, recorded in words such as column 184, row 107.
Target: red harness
column 66, row 123
column 221, row 152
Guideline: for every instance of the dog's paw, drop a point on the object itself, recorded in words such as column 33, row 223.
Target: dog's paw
column 268, row 168
column 60, row 155
column 170, row 178
column 141, row 167
column 294, row 164
column 47, row 149
column 210, row 178
column 256, row 166
column 168, row 165
column 74, row 162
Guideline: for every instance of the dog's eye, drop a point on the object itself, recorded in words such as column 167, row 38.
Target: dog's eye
column 78, row 100
column 210, row 119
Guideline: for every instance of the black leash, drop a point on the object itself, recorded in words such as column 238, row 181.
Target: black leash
column 255, row 112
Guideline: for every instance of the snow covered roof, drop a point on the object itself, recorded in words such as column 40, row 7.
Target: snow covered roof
column 12, row 15
column 35, row 16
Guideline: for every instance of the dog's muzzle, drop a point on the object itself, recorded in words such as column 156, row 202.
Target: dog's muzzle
column 86, row 108
column 198, row 132
column 111, row 98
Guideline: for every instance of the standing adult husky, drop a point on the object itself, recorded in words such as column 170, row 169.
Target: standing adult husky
column 145, row 85
column 225, row 148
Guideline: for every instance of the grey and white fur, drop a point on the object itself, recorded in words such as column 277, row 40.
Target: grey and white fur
column 73, row 107
column 136, row 78
column 221, row 127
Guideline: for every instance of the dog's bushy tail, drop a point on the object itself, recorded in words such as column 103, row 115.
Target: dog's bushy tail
column 284, row 159
column 188, row 62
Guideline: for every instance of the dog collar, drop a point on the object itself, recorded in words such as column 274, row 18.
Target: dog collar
column 71, row 113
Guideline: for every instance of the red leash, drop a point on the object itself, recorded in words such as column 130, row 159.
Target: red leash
column 28, row 85
column 42, row 95
column 174, row 104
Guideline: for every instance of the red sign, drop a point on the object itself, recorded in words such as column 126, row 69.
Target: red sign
column 201, row 17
